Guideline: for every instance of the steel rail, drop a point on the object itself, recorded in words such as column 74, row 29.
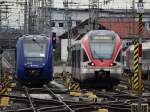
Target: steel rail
column 30, row 100
column 51, row 92
column 21, row 110
column 56, row 91
column 35, row 99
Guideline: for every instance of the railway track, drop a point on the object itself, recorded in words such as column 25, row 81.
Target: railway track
column 58, row 99
column 23, row 100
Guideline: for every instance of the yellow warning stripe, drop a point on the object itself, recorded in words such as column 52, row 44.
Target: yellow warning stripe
column 136, row 85
column 3, row 90
column 136, row 60
column 136, row 50
column 142, row 87
column 136, row 56
column 136, row 68
column 74, row 86
column 103, row 110
column 140, row 30
column 140, row 24
column 4, row 101
column 77, row 87
column 135, row 81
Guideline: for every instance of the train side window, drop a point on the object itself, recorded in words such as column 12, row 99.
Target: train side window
column 118, row 59
column 85, row 57
column 73, row 58
column 78, row 58
column 145, row 54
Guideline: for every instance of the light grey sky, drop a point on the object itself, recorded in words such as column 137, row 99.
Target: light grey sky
column 112, row 4
column 119, row 4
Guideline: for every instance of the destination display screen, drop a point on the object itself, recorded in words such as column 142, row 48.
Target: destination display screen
column 102, row 37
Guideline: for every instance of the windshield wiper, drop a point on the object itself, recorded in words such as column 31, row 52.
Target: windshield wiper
column 35, row 41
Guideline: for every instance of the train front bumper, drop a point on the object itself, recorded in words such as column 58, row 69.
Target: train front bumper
column 112, row 72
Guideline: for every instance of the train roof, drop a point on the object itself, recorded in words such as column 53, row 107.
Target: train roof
column 145, row 45
column 38, row 37
column 101, row 32
column 97, row 32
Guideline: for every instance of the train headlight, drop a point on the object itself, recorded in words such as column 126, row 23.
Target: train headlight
column 91, row 64
column 113, row 64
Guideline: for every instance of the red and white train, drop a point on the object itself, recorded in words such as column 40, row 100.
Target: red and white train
column 129, row 59
column 94, row 56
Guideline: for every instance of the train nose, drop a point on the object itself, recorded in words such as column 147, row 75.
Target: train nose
column 33, row 72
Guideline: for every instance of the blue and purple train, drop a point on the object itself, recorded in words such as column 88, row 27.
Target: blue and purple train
column 34, row 59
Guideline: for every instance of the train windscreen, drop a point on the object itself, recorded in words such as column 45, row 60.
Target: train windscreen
column 102, row 46
column 35, row 49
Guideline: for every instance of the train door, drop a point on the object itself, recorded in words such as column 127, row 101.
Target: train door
column 78, row 61
column 76, row 53
column 73, row 61
column 83, row 64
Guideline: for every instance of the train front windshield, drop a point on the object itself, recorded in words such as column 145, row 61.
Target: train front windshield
column 102, row 46
column 35, row 49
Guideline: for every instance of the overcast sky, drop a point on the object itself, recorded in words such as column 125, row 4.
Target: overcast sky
column 113, row 4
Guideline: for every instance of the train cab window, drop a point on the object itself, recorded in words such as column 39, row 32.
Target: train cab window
column 98, row 50
column 85, row 57
column 35, row 50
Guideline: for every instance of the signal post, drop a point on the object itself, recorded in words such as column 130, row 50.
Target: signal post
column 137, row 80
column 140, row 32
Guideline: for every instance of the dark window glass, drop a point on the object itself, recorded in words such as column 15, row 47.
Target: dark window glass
column 73, row 58
column 85, row 58
column 119, row 57
column 102, row 46
column 78, row 22
column 101, row 52
column 35, row 49
column 61, row 25
column 78, row 58
column 53, row 24
column 146, row 54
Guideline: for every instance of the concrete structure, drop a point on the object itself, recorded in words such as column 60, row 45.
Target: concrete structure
column 58, row 19
column 77, row 16
column 122, row 23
